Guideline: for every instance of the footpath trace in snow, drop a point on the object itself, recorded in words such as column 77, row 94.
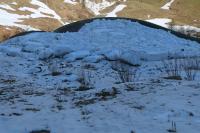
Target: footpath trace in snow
column 112, row 76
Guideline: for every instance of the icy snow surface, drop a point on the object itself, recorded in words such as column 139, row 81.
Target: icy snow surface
column 69, row 82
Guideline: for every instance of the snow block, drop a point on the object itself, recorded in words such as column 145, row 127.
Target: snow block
column 76, row 55
column 94, row 58
column 46, row 54
column 60, row 51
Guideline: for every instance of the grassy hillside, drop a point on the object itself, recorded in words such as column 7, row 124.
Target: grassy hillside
column 186, row 12
column 183, row 12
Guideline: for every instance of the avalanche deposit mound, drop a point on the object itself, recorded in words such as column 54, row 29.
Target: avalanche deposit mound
column 113, row 76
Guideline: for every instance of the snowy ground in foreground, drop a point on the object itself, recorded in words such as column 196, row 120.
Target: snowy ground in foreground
column 41, row 81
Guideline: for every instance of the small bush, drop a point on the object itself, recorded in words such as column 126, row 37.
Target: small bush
column 191, row 66
column 54, row 69
column 85, row 80
column 104, row 94
column 172, row 67
column 126, row 72
column 173, row 128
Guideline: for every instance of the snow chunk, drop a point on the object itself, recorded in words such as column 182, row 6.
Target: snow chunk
column 13, row 52
column 45, row 54
column 113, row 55
column 61, row 50
column 76, row 55
column 32, row 47
column 132, row 57
column 72, row 78
column 93, row 58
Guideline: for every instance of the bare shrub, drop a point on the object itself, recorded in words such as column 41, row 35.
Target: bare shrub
column 105, row 93
column 54, row 69
column 126, row 72
column 85, row 80
column 172, row 67
column 190, row 66
column 173, row 128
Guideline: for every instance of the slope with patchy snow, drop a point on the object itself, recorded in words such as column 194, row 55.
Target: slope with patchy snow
column 71, row 81
column 116, row 10
column 167, row 5
column 48, row 15
column 12, row 19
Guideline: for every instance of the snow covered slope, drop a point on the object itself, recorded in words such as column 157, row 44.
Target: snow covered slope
column 108, row 77
column 15, row 13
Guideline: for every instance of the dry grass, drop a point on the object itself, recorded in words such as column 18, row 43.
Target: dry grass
column 6, row 32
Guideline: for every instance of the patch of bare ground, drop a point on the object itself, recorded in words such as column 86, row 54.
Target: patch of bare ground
column 7, row 32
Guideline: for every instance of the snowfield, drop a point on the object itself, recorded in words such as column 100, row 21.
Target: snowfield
column 113, row 76
column 96, row 8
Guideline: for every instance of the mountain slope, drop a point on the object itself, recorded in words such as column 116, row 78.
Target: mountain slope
column 50, row 14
